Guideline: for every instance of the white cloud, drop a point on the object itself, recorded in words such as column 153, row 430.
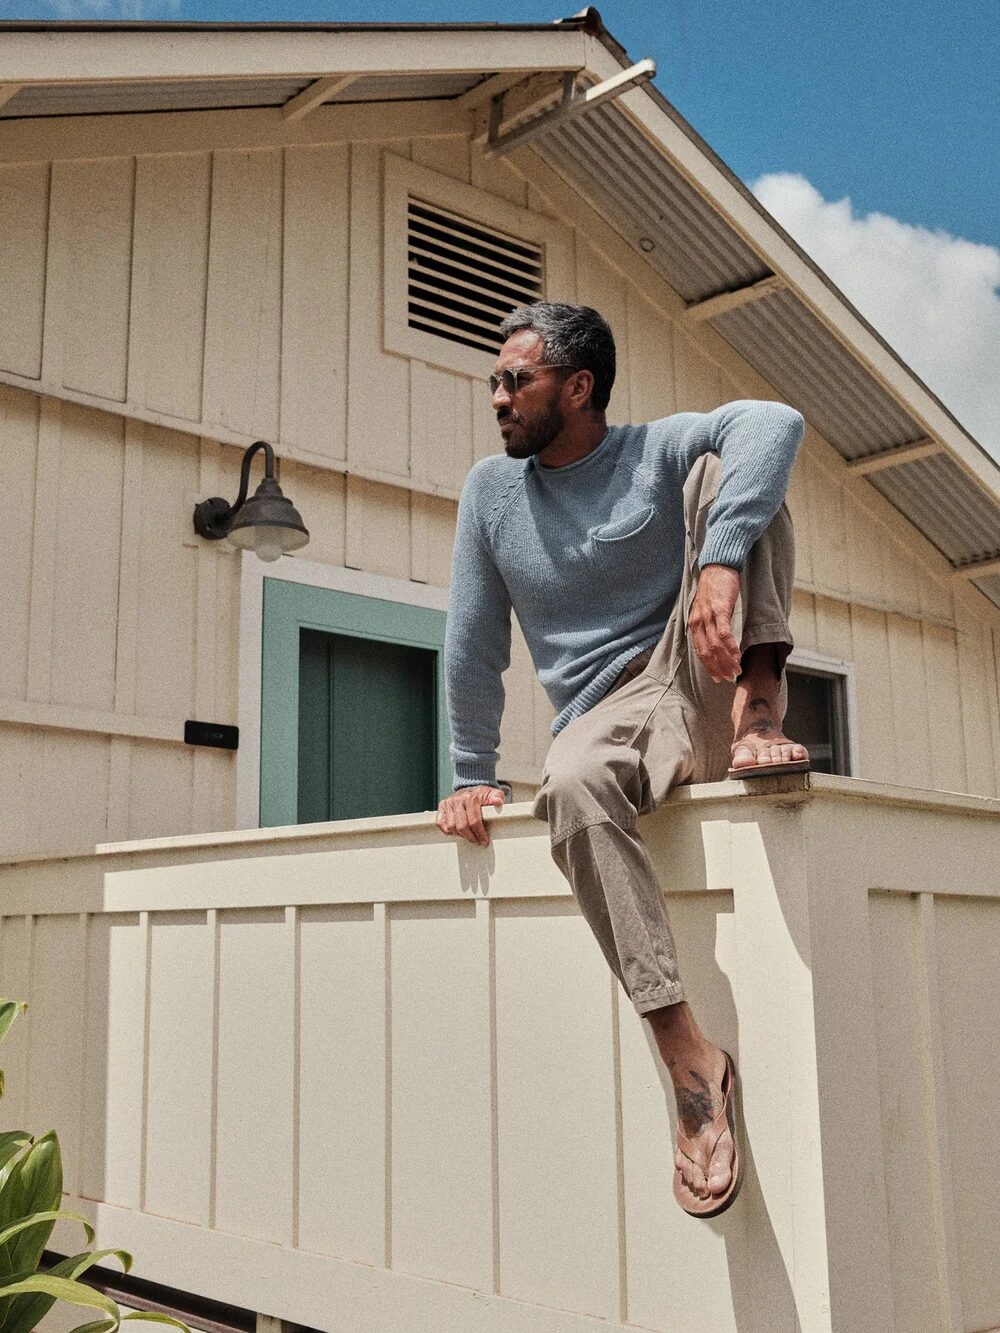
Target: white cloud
column 931, row 295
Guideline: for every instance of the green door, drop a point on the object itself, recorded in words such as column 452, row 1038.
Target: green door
column 353, row 716
column 367, row 743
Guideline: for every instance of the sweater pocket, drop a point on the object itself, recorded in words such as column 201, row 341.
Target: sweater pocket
column 621, row 551
column 624, row 528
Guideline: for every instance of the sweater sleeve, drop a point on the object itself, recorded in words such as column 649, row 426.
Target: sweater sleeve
column 476, row 651
column 757, row 442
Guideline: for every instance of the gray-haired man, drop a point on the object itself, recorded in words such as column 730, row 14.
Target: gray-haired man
column 650, row 568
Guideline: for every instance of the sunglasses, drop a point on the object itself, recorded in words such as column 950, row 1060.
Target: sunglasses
column 509, row 378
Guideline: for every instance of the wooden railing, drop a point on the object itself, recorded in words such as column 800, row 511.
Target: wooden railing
column 362, row 1077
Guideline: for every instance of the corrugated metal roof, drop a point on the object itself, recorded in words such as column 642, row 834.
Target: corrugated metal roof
column 946, row 504
column 695, row 251
column 98, row 99
column 647, row 200
column 786, row 343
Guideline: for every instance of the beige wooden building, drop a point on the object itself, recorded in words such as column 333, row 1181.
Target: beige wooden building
column 305, row 235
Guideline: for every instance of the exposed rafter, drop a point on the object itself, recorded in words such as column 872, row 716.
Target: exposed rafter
column 573, row 103
column 315, row 95
column 721, row 304
column 886, row 458
column 9, row 91
column 979, row 569
column 494, row 86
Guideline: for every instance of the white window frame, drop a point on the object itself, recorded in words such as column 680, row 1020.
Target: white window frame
column 403, row 179
column 821, row 664
column 338, row 578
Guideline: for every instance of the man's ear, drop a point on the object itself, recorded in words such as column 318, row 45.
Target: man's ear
column 581, row 386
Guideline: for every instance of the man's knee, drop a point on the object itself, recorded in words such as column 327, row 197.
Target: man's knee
column 585, row 787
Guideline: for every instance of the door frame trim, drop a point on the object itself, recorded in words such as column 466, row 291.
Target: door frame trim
column 337, row 578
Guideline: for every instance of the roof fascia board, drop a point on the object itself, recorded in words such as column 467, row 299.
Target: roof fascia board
column 721, row 189
column 95, row 57
column 149, row 133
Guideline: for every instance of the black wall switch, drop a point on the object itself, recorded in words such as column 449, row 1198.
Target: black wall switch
column 212, row 733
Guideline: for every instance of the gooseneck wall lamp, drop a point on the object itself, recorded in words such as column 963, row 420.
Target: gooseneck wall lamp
column 267, row 523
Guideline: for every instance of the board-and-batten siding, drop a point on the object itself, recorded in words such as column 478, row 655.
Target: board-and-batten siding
column 240, row 292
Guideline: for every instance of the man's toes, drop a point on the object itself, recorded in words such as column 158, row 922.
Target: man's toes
column 720, row 1171
column 692, row 1175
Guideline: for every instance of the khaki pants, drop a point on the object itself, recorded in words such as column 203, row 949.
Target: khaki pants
column 662, row 723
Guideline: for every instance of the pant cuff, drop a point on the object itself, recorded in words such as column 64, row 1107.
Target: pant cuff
column 672, row 994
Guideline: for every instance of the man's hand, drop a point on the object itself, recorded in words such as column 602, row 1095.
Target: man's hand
column 711, row 618
column 461, row 813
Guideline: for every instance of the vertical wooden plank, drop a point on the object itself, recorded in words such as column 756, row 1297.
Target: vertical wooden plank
column 321, row 498
column 974, row 682
column 876, row 714
column 114, row 1060
column 315, row 300
column 18, row 462
column 378, row 384
column 55, row 790
column 179, row 1103
column 160, row 572
column 90, row 275
column 432, row 536
column 15, row 969
column 170, row 282
column 440, row 439
column 553, row 1183
column 87, row 552
column 342, row 1077
column 909, row 701
column 797, row 500
column 833, row 628
column 44, row 537
column 205, row 762
column 486, row 437
column 378, row 528
column 803, row 620
column 243, row 329
column 441, row 1219
column 867, row 542
column 255, row 1042
column 649, row 361
column 24, row 220
column 697, row 383
column 945, row 974
column 488, row 965
column 944, row 709
column 517, row 728
column 56, row 1040
column 598, row 286
column 160, row 791
column 826, row 505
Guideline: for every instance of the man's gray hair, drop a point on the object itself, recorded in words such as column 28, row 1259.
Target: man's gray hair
column 572, row 335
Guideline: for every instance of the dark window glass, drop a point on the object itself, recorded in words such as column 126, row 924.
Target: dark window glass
column 367, row 728
column 817, row 716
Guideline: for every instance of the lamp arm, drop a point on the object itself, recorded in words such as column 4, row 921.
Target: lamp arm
column 245, row 471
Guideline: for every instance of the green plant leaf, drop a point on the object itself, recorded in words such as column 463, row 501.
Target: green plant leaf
column 11, row 1144
column 33, row 1185
column 64, row 1289
column 101, row 1326
column 9, row 1010
column 37, row 1219
column 27, row 1312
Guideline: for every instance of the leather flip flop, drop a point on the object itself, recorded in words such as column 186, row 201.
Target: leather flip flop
column 715, row 1203
column 770, row 770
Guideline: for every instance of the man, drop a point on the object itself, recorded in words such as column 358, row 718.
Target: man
column 650, row 568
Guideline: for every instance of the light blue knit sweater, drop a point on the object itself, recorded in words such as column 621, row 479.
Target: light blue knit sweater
column 590, row 556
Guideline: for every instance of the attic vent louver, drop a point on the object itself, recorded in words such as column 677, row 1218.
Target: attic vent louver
column 463, row 278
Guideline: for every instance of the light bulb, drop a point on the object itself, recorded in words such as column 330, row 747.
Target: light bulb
column 267, row 544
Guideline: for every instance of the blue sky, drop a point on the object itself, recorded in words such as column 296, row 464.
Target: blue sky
column 872, row 132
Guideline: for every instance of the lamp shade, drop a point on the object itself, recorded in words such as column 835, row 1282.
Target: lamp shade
column 268, row 523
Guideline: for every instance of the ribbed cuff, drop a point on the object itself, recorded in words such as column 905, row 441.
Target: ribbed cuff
column 725, row 548
column 468, row 774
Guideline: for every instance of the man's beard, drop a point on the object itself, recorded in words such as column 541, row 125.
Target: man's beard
column 532, row 439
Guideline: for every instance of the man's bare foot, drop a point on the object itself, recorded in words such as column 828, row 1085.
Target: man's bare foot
column 697, row 1068
column 758, row 737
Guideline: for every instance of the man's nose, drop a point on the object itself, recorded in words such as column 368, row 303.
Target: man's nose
column 501, row 398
